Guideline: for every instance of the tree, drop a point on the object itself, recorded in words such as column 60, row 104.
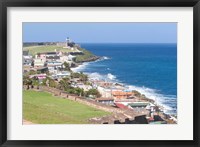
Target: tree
column 36, row 82
column 49, row 82
column 82, row 92
column 52, row 83
column 64, row 84
column 44, row 82
column 31, row 72
column 83, row 77
column 93, row 92
column 77, row 91
column 66, row 66
column 27, row 81
column 74, row 75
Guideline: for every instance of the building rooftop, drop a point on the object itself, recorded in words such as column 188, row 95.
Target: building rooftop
column 138, row 104
column 104, row 99
column 121, row 93
column 48, row 53
column 54, row 57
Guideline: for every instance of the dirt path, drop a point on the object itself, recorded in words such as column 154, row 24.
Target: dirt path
column 25, row 122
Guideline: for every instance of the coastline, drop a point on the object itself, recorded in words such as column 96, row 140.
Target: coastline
column 77, row 64
column 146, row 99
column 110, row 79
column 91, row 59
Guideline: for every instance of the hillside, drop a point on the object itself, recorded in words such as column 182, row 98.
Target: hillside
column 85, row 57
column 33, row 50
column 43, row 108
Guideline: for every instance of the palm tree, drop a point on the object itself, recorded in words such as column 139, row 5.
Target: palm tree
column 79, row 91
column 83, row 77
column 75, row 75
column 64, row 84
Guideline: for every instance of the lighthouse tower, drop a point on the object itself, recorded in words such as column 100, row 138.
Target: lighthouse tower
column 67, row 41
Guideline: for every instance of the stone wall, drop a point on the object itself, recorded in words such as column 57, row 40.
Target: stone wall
column 54, row 91
column 57, row 92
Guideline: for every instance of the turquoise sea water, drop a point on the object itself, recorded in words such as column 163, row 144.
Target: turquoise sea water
column 148, row 68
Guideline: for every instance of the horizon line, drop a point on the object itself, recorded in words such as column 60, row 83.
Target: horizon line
column 104, row 42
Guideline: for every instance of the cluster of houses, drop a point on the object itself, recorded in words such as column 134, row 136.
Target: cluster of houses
column 114, row 94
column 53, row 62
column 47, row 61
column 120, row 96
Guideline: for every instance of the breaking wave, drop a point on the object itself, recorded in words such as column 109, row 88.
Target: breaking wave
column 168, row 102
column 80, row 67
column 110, row 76
column 97, row 76
column 84, row 65
column 103, row 58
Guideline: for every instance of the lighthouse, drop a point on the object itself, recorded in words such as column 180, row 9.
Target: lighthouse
column 67, row 41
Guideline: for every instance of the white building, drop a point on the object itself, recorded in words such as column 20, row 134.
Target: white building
column 62, row 74
column 55, row 64
column 39, row 62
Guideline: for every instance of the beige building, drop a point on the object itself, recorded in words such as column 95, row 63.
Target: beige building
column 39, row 63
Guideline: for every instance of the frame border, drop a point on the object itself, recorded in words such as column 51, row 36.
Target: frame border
column 98, row 3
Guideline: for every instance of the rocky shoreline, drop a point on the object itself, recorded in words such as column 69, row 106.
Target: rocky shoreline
column 142, row 99
column 94, row 58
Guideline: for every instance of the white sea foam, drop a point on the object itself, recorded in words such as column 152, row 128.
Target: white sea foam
column 85, row 64
column 80, row 67
column 158, row 98
column 166, row 101
column 107, row 77
column 153, row 94
column 111, row 76
column 96, row 76
column 103, row 58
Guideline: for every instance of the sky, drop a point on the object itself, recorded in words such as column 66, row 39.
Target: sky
column 100, row 32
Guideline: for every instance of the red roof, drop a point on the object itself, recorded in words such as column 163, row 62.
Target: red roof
column 120, row 105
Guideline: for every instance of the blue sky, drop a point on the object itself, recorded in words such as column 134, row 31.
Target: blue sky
column 101, row 32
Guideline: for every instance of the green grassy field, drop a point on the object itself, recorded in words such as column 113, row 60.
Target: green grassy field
column 33, row 50
column 86, row 55
column 43, row 108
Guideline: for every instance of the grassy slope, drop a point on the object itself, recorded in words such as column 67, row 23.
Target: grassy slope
column 33, row 50
column 86, row 55
column 39, row 49
column 43, row 108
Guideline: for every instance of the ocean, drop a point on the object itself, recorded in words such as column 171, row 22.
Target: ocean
column 148, row 68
